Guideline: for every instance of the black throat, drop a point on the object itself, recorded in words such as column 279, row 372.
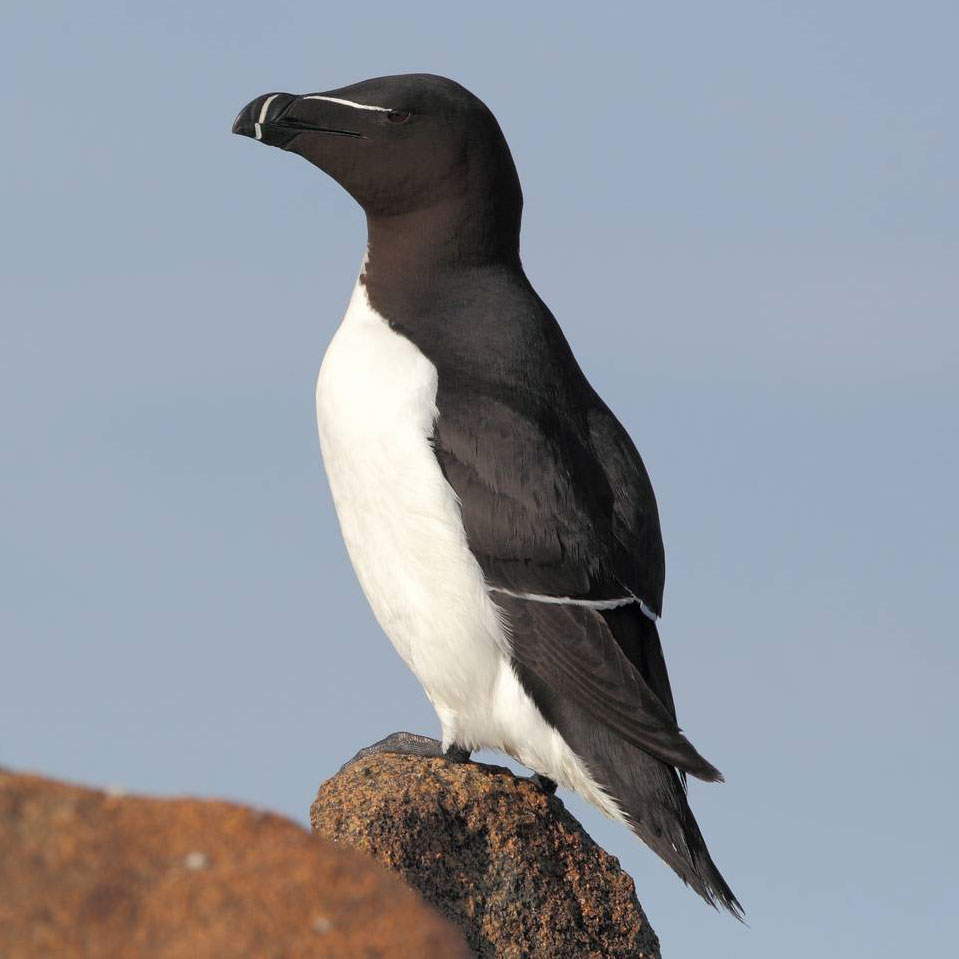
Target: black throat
column 469, row 229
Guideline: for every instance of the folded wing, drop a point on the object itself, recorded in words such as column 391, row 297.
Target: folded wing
column 558, row 509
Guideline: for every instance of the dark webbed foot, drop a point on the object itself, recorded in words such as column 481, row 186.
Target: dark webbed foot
column 410, row 744
column 544, row 782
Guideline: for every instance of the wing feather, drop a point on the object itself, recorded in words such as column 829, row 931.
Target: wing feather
column 572, row 651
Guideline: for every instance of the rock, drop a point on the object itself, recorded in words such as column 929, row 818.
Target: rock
column 85, row 874
column 504, row 861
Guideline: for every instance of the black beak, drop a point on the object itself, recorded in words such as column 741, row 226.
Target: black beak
column 258, row 119
column 271, row 120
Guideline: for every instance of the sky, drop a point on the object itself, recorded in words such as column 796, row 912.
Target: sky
column 744, row 217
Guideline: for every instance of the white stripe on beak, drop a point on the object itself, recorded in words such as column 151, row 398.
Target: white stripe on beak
column 257, row 129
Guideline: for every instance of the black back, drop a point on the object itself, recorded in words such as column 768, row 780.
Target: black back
column 555, row 498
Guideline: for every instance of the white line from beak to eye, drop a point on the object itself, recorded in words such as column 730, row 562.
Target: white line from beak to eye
column 257, row 129
column 348, row 103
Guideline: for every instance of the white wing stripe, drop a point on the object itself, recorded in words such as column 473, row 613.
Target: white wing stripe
column 572, row 601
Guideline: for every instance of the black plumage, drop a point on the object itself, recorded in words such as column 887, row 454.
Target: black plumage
column 555, row 500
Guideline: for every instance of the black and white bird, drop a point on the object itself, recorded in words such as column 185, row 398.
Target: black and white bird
column 498, row 516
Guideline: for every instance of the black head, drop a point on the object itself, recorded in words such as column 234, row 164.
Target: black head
column 397, row 144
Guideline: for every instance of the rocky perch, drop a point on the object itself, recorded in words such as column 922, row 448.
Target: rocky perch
column 493, row 853
column 86, row 874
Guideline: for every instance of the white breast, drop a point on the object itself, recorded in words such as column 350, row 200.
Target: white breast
column 376, row 406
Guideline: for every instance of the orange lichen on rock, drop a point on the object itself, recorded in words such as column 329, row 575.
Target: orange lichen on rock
column 503, row 860
column 85, row 874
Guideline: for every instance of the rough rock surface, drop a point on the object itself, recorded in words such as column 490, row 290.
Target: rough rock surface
column 507, row 863
column 85, row 874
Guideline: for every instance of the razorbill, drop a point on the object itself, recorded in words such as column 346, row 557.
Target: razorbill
column 498, row 516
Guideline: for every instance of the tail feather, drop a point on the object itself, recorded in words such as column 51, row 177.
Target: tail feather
column 666, row 824
column 653, row 800
column 651, row 793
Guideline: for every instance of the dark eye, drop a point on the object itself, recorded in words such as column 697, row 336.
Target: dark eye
column 398, row 116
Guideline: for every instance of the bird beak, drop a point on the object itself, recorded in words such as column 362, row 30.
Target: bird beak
column 278, row 118
column 258, row 119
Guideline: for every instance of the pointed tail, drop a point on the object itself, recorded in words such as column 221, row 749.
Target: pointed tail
column 653, row 800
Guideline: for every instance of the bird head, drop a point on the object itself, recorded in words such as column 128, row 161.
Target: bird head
column 396, row 144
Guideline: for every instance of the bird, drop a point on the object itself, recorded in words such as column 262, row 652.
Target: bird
column 498, row 516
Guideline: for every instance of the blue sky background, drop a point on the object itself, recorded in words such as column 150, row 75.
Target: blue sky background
column 744, row 215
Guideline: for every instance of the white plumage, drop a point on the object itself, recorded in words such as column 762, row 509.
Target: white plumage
column 376, row 406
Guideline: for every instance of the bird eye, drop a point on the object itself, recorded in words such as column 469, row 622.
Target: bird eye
column 398, row 116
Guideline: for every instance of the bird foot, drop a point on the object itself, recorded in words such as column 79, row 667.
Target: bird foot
column 545, row 783
column 410, row 744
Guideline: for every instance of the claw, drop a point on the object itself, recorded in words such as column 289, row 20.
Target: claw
column 544, row 782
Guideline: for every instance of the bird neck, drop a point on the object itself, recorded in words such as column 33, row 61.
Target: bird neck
column 451, row 234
